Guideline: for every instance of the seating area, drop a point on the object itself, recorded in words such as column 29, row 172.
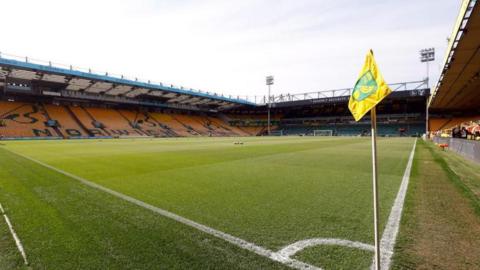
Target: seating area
column 411, row 124
column 413, row 129
column 112, row 122
column 66, row 124
column 24, row 120
column 28, row 120
column 253, row 125
column 38, row 120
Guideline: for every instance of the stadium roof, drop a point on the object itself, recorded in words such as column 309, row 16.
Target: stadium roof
column 103, row 84
column 459, row 83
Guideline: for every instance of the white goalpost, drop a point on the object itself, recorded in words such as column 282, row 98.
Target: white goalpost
column 276, row 133
column 323, row 132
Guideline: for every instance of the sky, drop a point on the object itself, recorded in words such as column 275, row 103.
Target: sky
column 230, row 46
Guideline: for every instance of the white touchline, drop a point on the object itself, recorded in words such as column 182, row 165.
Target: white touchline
column 15, row 236
column 387, row 243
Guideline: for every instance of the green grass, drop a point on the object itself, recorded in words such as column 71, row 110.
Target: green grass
column 464, row 174
column 440, row 225
column 269, row 191
column 66, row 225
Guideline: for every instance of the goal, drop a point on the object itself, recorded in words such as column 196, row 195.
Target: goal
column 323, row 132
column 276, row 133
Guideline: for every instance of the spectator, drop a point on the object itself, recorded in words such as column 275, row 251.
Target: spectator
column 456, row 132
column 463, row 133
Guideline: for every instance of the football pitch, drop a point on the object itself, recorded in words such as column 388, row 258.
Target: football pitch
column 196, row 203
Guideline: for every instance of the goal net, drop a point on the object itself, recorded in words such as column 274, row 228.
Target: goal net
column 276, row 133
column 323, row 132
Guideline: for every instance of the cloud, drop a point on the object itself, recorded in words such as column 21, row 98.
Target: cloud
column 229, row 46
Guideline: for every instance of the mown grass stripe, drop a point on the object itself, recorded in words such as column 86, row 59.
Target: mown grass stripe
column 219, row 234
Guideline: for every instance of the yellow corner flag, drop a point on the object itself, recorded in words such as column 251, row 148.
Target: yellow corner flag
column 369, row 90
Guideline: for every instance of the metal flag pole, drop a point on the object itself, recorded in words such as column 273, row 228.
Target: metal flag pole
column 373, row 118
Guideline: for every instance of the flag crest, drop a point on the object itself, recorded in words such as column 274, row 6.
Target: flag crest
column 369, row 90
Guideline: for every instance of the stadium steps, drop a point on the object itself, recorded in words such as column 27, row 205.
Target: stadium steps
column 213, row 127
column 179, row 118
column 163, row 127
column 78, row 122
column 196, row 123
column 66, row 122
column 133, row 121
column 242, row 131
column 211, row 130
column 114, row 123
column 225, row 124
column 445, row 124
column 225, row 120
column 169, row 121
column 199, row 125
column 218, row 124
column 87, row 121
column 44, row 111
column 94, row 120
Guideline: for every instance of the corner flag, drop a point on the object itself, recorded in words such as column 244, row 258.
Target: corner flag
column 369, row 89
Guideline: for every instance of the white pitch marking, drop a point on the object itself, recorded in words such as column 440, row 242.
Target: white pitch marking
column 387, row 243
column 15, row 236
column 219, row 234
column 292, row 249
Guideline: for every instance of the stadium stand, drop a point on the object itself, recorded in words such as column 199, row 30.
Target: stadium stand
column 112, row 122
column 91, row 105
column 218, row 123
column 145, row 123
column 454, row 106
column 68, row 127
column 21, row 119
column 24, row 120
column 193, row 123
column 86, row 120
column 171, row 123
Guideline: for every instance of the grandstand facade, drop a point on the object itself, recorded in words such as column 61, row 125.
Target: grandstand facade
column 403, row 113
column 42, row 100
column 455, row 98
column 454, row 106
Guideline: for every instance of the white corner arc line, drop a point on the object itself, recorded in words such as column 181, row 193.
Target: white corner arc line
column 387, row 243
column 15, row 236
column 219, row 234
column 292, row 249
